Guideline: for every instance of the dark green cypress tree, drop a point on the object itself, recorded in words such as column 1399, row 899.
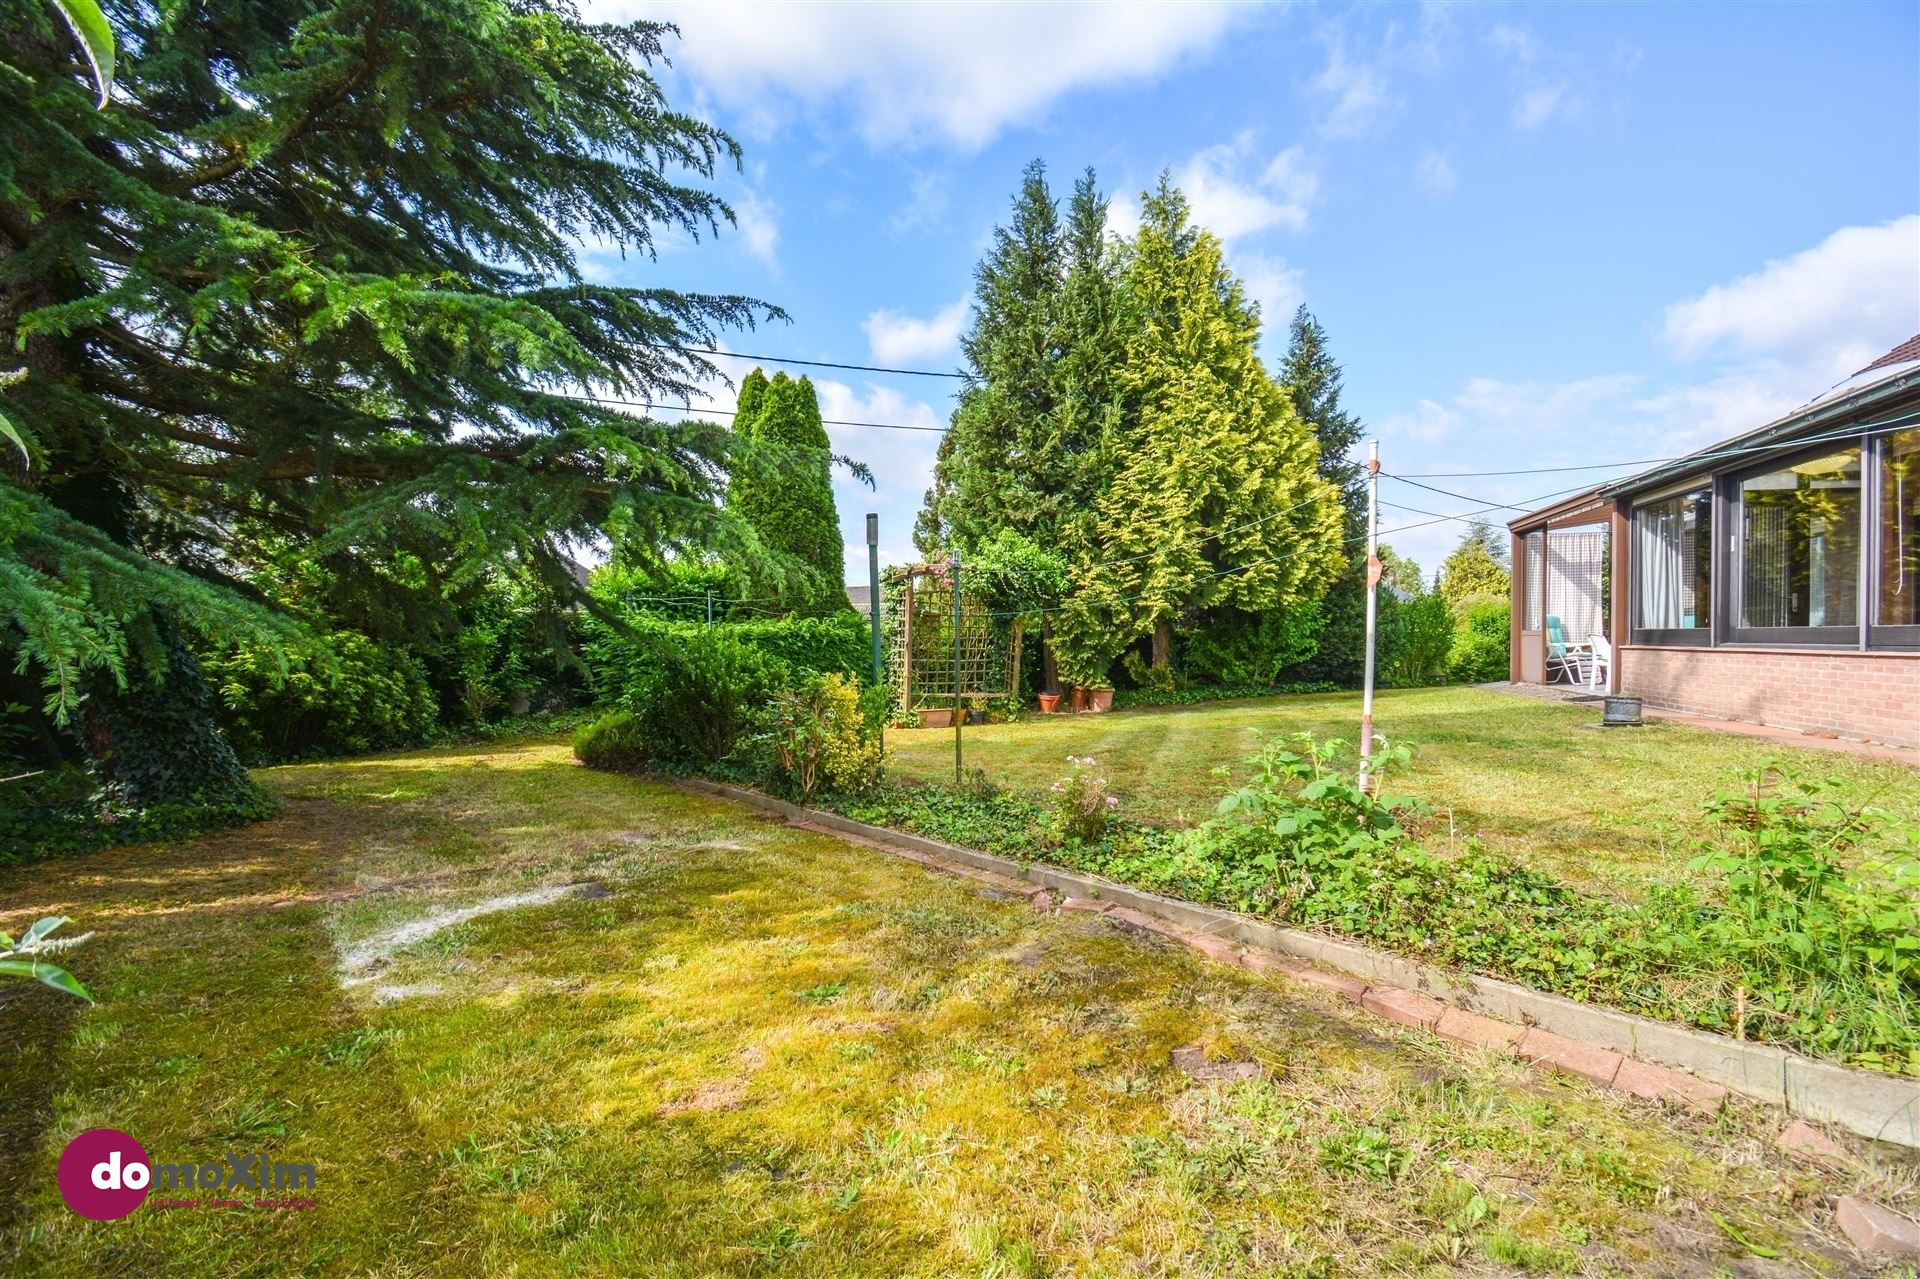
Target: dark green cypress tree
column 788, row 496
column 996, row 472
column 315, row 270
column 1313, row 382
column 746, row 412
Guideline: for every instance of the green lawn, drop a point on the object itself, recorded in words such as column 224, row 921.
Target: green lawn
column 747, row 1049
column 1533, row 778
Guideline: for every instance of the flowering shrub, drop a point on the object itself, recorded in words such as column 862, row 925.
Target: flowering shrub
column 822, row 737
column 1082, row 804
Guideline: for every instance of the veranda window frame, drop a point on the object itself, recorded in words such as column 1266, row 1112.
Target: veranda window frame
column 1675, row 636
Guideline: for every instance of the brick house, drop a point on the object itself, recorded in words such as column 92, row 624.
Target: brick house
column 1772, row 578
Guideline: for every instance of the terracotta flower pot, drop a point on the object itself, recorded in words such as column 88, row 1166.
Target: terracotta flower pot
column 1099, row 699
column 1079, row 699
column 1048, row 701
column 931, row 718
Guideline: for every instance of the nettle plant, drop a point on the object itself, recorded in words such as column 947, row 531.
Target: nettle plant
column 1298, row 823
column 1822, row 905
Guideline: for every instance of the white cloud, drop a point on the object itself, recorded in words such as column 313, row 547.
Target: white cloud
column 1552, row 84
column 1539, row 104
column 1770, row 341
column 759, row 230
column 925, row 207
column 918, row 73
column 901, row 339
column 1433, row 173
column 1123, row 216
column 1359, row 91
column 1276, row 286
column 1232, row 204
column 901, row 461
column 1358, row 101
column 1841, row 303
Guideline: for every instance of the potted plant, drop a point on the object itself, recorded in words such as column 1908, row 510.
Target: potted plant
column 1079, row 702
column 1099, row 699
column 936, row 717
column 1048, row 702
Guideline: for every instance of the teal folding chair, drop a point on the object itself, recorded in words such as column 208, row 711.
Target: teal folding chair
column 1562, row 657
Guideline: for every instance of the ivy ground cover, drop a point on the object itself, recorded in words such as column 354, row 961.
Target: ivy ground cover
column 528, row 1019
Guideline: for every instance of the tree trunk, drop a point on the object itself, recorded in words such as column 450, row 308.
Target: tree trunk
column 1049, row 669
column 1162, row 643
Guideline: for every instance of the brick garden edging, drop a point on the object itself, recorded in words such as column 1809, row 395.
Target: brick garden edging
column 1620, row 1050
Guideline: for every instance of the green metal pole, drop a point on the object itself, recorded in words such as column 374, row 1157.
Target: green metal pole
column 873, row 612
column 959, row 712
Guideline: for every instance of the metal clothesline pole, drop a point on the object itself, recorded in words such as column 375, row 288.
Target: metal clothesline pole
column 1373, row 592
column 873, row 614
column 959, row 712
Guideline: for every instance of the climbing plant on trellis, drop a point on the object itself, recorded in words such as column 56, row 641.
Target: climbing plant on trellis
column 924, row 651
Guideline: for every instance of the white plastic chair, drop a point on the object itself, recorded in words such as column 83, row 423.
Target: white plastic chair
column 1599, row 661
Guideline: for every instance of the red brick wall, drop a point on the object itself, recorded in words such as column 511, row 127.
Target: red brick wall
column 1874, row 697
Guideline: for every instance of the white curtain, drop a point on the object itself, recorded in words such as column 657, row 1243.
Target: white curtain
column 1574, row 560
column 1662, row 530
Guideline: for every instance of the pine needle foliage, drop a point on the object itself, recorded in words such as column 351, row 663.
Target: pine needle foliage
column 315, row 271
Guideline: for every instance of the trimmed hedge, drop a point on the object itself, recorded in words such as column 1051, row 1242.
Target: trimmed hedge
column 836, row 644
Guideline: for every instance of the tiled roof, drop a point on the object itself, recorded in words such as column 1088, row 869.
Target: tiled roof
column 1907, row 351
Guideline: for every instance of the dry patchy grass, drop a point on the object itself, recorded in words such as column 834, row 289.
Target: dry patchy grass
column 731, row 1047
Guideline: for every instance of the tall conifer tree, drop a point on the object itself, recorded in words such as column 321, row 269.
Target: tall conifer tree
column 1313, row 380
column 787, row 498
column 314, row 270
column 997, row 469
column 1216, row 502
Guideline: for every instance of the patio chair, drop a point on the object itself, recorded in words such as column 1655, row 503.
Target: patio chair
column 1563, row 659
column 1600, row 661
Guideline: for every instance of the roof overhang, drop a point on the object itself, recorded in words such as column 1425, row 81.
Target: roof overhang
column 1590, row 507
column 1833, row 410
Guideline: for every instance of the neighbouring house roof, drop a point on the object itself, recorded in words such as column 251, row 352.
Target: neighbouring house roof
column 861, row 597
column 1908, row 352
column 1893, row 375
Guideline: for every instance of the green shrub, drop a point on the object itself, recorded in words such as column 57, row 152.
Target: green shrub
column 821, row 737
column 699, row 695
column 1480, row 645
column 1415, row 637
column 1822, row 909
column 615, row 742
column 839, row 642
column 1251, row 649
column 1813, row 940
column 1131, row 697
column 373, row 696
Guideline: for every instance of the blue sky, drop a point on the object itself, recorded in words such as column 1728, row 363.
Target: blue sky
column 1536, row 235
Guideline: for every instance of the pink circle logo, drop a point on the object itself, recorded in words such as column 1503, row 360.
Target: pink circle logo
column 104, row 1174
